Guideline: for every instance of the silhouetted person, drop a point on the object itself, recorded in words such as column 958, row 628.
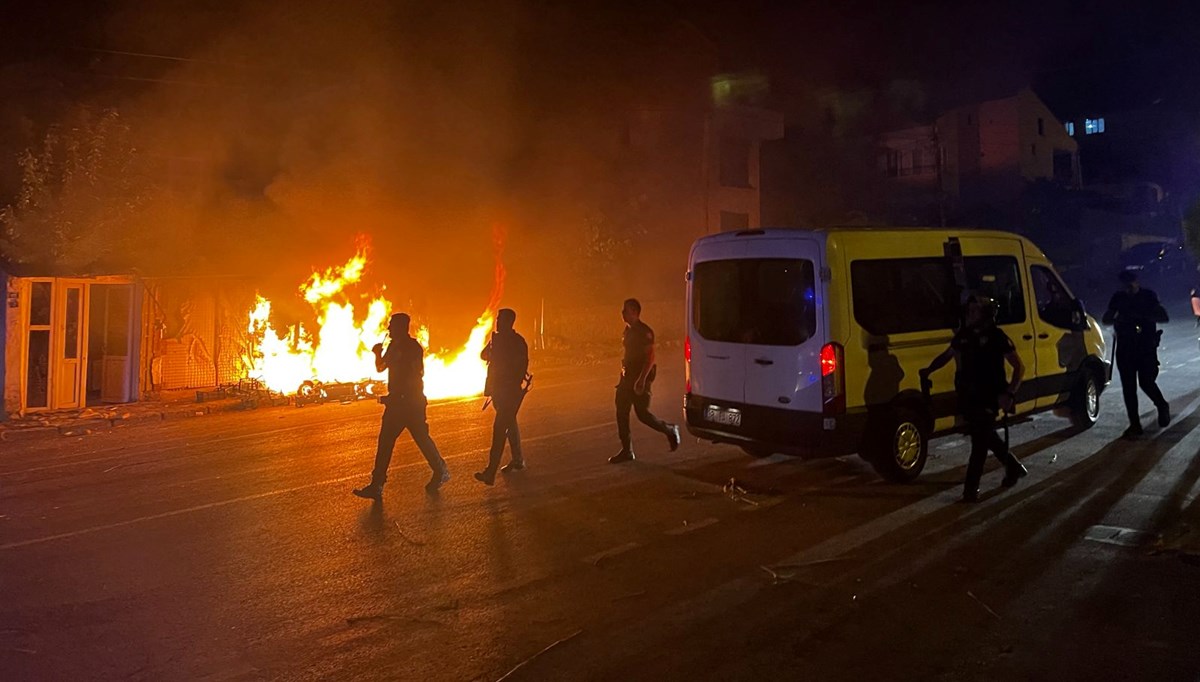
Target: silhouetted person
column 1135, row 314
column 507, row 356
column 637, row 374
column 981, row 349
column 405, row 407
column 1195, row 297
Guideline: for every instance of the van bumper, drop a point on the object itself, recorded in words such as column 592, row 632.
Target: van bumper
column 808, row 434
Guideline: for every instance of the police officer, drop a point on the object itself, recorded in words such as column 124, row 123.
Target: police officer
column 980, row 349
column 507, row 356
column 637, row 374
column 405, row 407
column 1134, row 313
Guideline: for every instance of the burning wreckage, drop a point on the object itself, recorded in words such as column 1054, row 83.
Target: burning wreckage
column 334, row 362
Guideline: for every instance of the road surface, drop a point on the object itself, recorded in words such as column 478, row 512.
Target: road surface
column 229, row 548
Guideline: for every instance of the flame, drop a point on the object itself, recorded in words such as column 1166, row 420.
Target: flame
column 339, row 349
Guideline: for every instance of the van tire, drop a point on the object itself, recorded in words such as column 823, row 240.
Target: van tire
column 1085, row 401
column 897, row 444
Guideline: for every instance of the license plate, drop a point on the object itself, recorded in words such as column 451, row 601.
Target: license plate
column 724, row 417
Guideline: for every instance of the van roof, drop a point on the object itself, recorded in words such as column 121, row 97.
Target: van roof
column 778, row 232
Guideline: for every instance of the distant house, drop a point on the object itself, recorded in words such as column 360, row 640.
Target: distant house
column 986, row 152
column 73, row 339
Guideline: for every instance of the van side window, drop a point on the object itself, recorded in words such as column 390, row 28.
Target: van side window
column 904, row 295
column 1055, row 305
column 901, row 295
column 1000, row 278
column 764, row 301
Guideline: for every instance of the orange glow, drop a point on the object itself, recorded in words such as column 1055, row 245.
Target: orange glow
column 339, row 349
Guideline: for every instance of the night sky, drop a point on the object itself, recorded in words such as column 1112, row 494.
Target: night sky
column 962, row 50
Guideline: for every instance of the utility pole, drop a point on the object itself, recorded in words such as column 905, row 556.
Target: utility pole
column 941, row 187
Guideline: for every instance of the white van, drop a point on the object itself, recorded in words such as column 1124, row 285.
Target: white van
column 810, row 341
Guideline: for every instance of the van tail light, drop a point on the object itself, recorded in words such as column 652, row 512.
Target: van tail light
column 687, row 366
column 833, row 379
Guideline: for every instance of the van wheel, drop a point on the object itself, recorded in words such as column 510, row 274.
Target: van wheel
column 1085, row 401
column 899, row 445
column 758, row 451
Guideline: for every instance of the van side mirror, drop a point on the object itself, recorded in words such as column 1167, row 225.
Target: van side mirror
column 1078, row 316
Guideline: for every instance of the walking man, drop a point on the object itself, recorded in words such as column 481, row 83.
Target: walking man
column 980, row 349
column 637, row 374
column 507, row 356
column 1135, row 314
column 405, row 407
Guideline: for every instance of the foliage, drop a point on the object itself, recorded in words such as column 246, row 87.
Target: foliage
column 79, row 192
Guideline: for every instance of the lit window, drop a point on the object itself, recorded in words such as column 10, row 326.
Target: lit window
column 1071, row 128
column 1092, row 126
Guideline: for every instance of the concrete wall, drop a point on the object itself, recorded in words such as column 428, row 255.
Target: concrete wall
column 1037, row 149
column 4, row 347
column 11, row 344
column 194, row 332
column 743, row 123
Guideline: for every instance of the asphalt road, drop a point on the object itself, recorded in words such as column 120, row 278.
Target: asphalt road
column 230, row 547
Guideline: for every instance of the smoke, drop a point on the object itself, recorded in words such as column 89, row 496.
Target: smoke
column 282, row 130
column 272, row 133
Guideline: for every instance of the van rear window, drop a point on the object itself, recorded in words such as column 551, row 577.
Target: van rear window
column 902, row 295
column 764, row 301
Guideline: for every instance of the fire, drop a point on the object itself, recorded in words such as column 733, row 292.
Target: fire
column 339, row 349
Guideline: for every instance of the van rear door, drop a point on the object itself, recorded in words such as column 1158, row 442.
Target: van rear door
column 780, row 305
column 717, row 359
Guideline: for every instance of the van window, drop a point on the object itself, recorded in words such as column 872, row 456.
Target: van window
column 764, row 301
column 904, row 295
column 1000, row 278
column 901, row 295
column 1054, row 305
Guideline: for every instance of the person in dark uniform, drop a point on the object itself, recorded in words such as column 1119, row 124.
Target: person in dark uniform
column 507, row 356
column 981, row 349
column 1135, row 314
column 637, row 374
column 404, row 407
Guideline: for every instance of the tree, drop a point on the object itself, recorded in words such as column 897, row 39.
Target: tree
column 79, row 192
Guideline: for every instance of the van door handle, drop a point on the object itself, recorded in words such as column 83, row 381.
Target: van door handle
column 719, row 357
column 1027, row 337
column 764, row 361
column 1043, row 335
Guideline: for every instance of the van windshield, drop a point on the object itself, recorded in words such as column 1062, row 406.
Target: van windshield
column 764, row 301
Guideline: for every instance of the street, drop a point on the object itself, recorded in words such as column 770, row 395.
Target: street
column 229, row 547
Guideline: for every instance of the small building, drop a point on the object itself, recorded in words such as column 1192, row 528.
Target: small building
column 71, row 340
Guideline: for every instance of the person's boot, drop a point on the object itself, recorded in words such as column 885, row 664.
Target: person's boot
column 437, row 480
column 486, row 477
column 625, row 455
column 372, row 491
column 673, row 436
column 1015, row 473
column 515, row 465
column 969, row 497
column 1133, row 431
column 1164, row 415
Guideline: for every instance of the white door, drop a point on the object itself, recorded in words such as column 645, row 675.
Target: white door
column 780, row 305
column 37, row 385
column 115, row 330
column 70, row 322
column 716, row 369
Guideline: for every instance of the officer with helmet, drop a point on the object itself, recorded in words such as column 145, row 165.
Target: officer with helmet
column 980, row 349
